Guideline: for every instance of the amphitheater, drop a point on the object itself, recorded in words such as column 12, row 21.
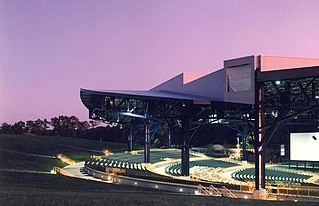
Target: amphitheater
column 208, row 175
column 253, row 95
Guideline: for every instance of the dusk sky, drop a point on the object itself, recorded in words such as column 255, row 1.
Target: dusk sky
column 49, row 49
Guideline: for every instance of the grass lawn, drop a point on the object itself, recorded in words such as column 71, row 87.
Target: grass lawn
column 27, row 152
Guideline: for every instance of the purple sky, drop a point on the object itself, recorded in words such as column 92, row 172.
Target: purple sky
column 49, row 49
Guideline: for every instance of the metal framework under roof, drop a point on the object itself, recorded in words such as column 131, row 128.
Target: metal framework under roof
column 281, row 97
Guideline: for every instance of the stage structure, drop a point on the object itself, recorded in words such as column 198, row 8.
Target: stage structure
column 253, row 95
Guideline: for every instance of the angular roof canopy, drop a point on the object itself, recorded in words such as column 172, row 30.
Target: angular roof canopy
column 234, row 83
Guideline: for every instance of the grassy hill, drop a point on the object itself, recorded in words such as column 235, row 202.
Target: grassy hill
column 27, row 152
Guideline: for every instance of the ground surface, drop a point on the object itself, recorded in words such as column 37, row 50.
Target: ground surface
column 25, row 160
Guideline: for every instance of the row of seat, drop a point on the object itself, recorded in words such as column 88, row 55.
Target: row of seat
column 271, row 175
column 103, row 163
column 213, row 163
column 136, row 158
column 175, row 168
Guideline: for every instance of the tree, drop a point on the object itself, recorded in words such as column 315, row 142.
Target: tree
column 30, row 126
column 6, row 128
column 65, row 126
column 37, row 127
column 93, row 123
column 82, row 129
column 19, row 127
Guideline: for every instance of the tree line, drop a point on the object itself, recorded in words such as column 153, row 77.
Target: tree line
column 65, row 126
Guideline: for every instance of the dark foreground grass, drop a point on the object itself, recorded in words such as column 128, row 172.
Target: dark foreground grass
column 41, row 189
column 130, row 199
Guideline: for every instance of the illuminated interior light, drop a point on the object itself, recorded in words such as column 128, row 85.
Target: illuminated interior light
column 277, row 82
column 135, row 183
column 245, row 197
column 181, row 189
column 317, row 96
column 156, row 186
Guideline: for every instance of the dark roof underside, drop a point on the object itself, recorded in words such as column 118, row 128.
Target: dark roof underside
column 147, row 95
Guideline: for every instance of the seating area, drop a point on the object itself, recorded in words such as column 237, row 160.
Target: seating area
column 103, row 163
column 271, row 175
column 213, row 163
column 299, row 165
column 130, row 161
column 175, row 169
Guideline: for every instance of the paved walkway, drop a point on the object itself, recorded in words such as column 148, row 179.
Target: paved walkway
column 76, row 171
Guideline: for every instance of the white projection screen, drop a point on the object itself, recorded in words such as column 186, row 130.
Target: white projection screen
column 304, row 146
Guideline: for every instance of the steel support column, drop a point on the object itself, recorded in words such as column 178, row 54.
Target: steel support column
column 260, row 181
column 169, row 137
column 185, row 146
column 244, row 144
column 130, row 141
column 185, row 159
column 147, row 145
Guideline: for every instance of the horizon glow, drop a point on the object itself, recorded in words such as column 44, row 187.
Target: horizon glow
column 51, row 49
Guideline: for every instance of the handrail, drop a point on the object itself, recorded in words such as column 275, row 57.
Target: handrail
column 203, row 190
column 62, row 171
column 65, row 159
column 214, row 190
column 228, row 192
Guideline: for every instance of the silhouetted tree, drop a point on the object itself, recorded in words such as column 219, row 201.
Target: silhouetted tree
column 19, row 127
column 66, row 126
column 6, row 128
column 37, row 127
